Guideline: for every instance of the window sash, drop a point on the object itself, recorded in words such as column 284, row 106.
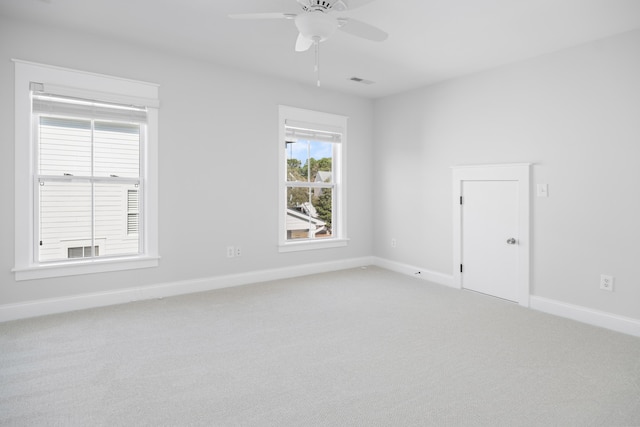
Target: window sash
column 97, row 164
column 314, row 222
column 98, row 218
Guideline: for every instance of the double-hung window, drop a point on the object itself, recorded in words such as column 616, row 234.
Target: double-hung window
column 86, row 175
column 312, row 191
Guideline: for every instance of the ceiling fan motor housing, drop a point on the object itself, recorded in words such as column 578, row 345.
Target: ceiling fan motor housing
column 323, row 5
column 316, row 25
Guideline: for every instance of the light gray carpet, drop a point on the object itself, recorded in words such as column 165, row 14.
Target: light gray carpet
column 362, row 347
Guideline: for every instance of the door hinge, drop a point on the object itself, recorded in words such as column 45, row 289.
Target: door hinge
column 460, row 199
column 460, row 268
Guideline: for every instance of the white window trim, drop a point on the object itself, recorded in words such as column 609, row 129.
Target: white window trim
column 91, row 85
column 327, row 121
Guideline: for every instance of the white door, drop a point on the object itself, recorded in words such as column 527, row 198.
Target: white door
column 489, row 237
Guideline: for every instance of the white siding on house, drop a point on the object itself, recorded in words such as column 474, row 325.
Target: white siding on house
column 64, row 146
column 75, row 209
column 63, row 223
column 116, row 150
column 302, row 226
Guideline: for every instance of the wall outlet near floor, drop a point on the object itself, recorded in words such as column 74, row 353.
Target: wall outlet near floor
column 231, row 252
column 606, row 282
column 393, row 243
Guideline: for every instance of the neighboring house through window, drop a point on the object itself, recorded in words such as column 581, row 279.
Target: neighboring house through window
column 83, row 252
column 312, row 191
column 86, row 172
column 132, row 212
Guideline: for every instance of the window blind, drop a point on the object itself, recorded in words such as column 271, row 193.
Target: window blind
column 312, row 131
column 60, row 105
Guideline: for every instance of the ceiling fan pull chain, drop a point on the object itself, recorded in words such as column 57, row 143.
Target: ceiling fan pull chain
column 317, row 43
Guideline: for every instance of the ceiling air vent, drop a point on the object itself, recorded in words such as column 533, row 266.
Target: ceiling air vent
column 360, row 80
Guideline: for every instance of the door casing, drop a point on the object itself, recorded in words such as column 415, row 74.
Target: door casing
column 519, row 172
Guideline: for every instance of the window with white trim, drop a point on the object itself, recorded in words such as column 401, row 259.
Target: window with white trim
column 312, row 190
column 86, row 172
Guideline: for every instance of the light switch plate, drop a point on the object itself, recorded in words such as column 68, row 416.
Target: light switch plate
column 543, row 190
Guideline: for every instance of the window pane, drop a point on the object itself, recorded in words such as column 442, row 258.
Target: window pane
column 307, row 209
column 309, row 161
column 297, row 156
column 321, row 161
column 64, row 146
column 322, row 201
column 112, row 219
column 116, row 149
column 65, row 218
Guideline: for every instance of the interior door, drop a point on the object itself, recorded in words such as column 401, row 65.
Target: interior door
column 489, row 258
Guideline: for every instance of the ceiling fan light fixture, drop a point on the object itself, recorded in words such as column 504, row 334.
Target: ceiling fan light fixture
column 316, row 25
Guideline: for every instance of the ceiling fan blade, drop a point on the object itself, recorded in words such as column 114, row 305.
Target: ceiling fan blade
column 303, row 43
column 271, row 15
column 362, row 29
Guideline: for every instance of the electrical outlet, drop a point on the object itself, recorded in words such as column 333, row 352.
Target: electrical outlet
column 238, row 251
column 231, row 252
column 393, row 243
column 606, row 282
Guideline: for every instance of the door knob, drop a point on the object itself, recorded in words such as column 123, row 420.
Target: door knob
column 511, row 241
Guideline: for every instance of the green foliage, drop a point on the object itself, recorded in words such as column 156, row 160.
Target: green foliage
column 296, row 197
column 294, row 170
column 323, row 164
column 293, row 164
column 323, row 206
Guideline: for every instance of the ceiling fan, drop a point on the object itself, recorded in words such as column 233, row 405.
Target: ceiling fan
column 319, row 20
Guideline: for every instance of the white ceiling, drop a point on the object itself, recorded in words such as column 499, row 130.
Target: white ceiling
column 429, row 40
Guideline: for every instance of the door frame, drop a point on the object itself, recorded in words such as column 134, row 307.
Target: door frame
column 519, row 172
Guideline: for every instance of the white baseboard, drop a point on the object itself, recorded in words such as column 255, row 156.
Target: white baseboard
column 586, row 315
column 410, row 270
column 626, row 325
column 102, row 299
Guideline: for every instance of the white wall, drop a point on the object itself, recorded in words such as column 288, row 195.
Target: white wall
column 218, row 161
column 576, row 115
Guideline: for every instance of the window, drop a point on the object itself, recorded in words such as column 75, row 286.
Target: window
column 86, row 172
column 312, row 181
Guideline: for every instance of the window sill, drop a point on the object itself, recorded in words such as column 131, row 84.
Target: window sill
column 83, row 267
column 308, row 245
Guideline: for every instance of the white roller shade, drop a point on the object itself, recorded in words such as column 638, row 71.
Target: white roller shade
column 108, row 97
column 312, row 131
column 44, row 102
